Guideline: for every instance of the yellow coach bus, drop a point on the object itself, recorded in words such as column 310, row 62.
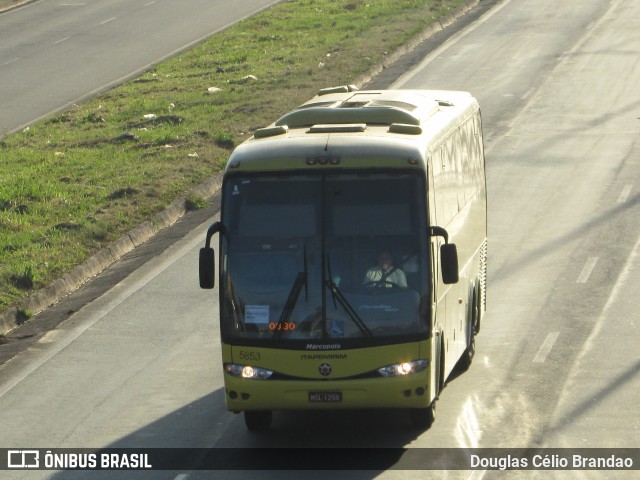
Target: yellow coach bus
column 352, row 254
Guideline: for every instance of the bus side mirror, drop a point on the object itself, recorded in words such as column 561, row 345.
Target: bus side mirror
column 448, row 256
column 449, row 263
column 207, row 268
column 207, row 264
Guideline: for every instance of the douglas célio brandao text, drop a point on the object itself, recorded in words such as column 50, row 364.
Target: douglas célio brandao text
column 551, row 462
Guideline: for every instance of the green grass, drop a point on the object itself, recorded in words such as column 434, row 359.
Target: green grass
column 71, row 184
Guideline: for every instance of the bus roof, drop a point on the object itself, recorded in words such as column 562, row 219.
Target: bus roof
column 344, row 127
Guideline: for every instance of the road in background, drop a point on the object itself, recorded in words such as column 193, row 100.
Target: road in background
column 561, row 111
column 54, row 53
column 557, row 357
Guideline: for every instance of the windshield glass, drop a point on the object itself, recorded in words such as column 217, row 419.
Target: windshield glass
column 332, row 257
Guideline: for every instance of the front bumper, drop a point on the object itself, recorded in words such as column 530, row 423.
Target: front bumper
column 410, row 391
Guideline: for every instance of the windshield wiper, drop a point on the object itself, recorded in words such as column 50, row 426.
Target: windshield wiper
column 294, row 294
column 337, row 294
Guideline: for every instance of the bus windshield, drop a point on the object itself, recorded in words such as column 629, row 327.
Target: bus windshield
column 332, row 257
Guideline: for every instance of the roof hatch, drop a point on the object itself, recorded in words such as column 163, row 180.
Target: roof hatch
column 366, row 107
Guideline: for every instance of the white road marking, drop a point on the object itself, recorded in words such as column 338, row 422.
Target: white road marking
column 182, row 476
column 108, row 20
column 61, row 40
column 468, row 431
column 149, row 3
column 487, row 362
column 587, row 269
column 588, row 349
column 527, row 94
column 624, row 195
column 546, row 347
column 477, row 475
column 451, row 41
column 9, row 61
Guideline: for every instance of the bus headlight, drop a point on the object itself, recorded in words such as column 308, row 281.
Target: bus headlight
column 247, row 371
column 405, row 368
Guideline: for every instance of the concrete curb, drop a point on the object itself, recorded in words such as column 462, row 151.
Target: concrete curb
column 50, row 295
column 16, row 4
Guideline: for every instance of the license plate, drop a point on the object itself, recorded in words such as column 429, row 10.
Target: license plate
column 325, row 397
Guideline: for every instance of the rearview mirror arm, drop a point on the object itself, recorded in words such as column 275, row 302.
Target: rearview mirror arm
column 439, row 232
column 216, row 227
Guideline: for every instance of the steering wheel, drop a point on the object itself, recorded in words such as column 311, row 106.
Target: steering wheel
column 380, row 284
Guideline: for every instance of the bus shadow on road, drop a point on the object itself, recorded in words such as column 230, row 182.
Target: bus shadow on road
column 203, row 437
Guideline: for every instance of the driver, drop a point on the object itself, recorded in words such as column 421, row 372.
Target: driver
column 385, row 274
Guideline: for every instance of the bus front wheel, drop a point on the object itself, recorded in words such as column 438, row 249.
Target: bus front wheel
column 257, row 420
column 423, row 418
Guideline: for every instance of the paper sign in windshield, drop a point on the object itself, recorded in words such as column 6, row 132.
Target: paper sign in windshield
column 258, row 314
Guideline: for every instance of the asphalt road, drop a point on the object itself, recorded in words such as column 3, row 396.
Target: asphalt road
column 54, row 53
column 557, row 361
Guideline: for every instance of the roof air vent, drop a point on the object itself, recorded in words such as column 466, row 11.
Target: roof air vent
column 340, row 89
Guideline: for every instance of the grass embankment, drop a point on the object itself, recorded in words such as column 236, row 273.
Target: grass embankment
column 73, row 183
column 6, row 4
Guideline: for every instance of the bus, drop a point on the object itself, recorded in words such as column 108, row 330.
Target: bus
column 352, row 254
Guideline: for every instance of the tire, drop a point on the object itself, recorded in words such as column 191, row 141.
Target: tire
column 423, row 418
column 470, row 351
column 477, row 318
column 474, row 327
column 257, row 420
